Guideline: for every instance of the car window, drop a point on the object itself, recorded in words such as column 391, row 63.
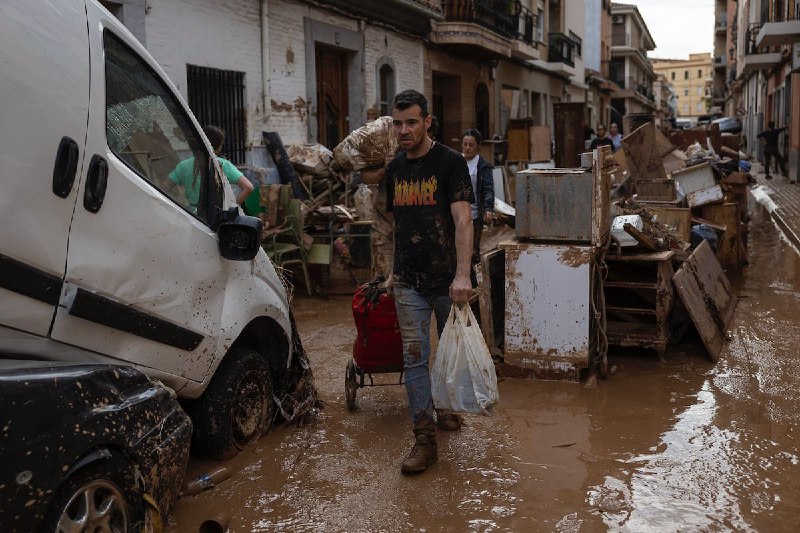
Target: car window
column 148, row 129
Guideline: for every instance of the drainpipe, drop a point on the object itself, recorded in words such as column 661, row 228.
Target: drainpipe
column 265, row 66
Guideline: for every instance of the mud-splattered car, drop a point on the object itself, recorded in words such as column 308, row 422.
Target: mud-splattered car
column 87, row 448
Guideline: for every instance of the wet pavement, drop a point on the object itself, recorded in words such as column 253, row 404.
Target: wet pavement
column 684, row 445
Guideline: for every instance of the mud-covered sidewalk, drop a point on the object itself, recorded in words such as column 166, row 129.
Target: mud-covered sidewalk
column 682, row 445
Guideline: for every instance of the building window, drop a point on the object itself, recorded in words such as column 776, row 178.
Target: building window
column 578, row 43
column 686, row 92
column 686, row 74
column 217, row 99
column 699, row 107
column 686, row 108
column 672, row 75
column 699, row 91
column 540, row 25
column 386, row 89
column 699, row 73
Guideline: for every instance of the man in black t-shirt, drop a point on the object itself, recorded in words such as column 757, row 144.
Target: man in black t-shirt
column 428, row 189
column 602, row 139
column 770, row 140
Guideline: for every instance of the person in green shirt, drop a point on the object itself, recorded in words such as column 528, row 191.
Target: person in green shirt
column 184, row 173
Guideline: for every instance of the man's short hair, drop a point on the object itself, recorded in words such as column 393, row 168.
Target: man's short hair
column 409, row 97
column 771, row 124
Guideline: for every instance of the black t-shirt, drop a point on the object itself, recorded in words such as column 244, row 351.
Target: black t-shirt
column 419, row 192
column 601, row 141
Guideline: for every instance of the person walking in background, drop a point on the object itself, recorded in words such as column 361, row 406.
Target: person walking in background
column 615, row 136
column 769, row 138
column 602, row 139
column 429, row 192
column 480, row 174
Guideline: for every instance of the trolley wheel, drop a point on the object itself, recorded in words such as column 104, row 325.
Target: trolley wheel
column 350, row 385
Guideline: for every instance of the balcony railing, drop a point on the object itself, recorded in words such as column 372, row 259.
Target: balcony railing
column 721, row 21
column 560, row 49
column 750, row 39
column 633, row 84
column 499, row 16
column 782, row 11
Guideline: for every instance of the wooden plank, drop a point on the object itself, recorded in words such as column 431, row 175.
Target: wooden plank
column 540, row 143
column 679, row 218
column 642, row 153
column 518, row 144
column 710, row 224
column 706, row 293
column 640, row 237
column 728, row 248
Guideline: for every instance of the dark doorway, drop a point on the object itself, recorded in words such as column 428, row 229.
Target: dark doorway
column 332, row 102
column 446, row 105
column 482, row 109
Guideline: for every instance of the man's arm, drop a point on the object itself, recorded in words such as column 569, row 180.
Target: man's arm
column 461, row 288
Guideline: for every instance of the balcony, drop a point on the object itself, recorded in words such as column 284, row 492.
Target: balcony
column 524, row 46
column 720, row 62
column 779, row 27
column 560, row 54
column 487, row 29
column 634, row 88
column 622, row 44
column 754, row 59
column 721, row 23
column 408, row 16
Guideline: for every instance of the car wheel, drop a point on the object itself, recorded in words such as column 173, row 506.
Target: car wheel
column 101, row 497
column 236, row 407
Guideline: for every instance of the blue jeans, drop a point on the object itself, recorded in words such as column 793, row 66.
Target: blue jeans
column 414, row 313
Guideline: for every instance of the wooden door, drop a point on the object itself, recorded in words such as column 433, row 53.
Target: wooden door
column 568, row 118
column 332, row 101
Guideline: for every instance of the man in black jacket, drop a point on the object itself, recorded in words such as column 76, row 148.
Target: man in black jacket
column 770, row 140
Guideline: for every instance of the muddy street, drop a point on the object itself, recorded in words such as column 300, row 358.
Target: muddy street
column 682, row 445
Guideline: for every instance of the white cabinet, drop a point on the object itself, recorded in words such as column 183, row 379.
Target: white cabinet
column 547, row 308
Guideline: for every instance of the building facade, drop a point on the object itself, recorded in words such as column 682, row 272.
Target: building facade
column 691, row 79
column 630, row 67
column 764, row 73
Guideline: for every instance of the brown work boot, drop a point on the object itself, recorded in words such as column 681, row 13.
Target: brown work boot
column 423, row 455
column 448, row 421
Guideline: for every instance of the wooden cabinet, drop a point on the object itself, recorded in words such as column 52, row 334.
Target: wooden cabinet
column 639, row 297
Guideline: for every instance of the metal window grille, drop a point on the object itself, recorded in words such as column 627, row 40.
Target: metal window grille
column 216, row 98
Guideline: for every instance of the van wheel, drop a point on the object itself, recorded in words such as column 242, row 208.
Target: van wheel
column 236, row 407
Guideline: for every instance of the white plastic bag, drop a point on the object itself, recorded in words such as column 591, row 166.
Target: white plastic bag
column 463, row 377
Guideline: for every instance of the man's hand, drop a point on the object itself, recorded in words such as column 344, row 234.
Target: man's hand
column 460, row 290
column 487, row 217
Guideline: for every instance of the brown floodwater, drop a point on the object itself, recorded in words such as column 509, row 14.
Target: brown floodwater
column 684, row 445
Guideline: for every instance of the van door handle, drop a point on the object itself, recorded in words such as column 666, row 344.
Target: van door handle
column 66, row 167
column 96, row 181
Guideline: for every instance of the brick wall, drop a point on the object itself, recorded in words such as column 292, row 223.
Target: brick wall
column 226, row 34
column 222, row 34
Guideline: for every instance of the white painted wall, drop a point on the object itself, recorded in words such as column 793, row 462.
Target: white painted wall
column 226, row 34
column 406, row 54
column 222, row 34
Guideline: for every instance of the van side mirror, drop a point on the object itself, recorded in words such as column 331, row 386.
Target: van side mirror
column 239, row 237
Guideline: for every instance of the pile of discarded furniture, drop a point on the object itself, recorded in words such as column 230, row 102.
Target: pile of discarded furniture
column 630, row 249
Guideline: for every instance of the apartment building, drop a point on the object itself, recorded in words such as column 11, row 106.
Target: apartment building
column 630, row 67
column 764, row 73
column 597, row 60
column 691, row 79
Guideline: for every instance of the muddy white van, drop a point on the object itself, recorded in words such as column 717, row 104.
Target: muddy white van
column 102, row 257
